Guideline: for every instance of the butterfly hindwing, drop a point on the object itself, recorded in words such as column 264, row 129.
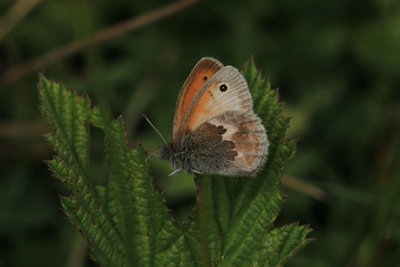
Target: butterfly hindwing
column 232, row 143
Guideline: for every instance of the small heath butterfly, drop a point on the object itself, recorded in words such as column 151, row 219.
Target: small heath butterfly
column 215, row 129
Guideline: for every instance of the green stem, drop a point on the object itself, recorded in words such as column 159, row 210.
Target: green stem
column 202, row 210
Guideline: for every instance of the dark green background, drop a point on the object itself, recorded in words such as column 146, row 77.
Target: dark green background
column 337, row 66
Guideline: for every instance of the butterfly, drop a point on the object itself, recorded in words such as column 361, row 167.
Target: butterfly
column 215, row 130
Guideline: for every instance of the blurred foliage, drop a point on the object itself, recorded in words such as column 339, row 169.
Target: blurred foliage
column 336, row 64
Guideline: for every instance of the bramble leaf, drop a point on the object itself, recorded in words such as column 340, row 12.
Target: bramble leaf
column 234, row 215
column 127, row 222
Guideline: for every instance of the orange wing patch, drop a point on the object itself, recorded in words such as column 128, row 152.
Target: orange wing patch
column 200, row 74
column 200, row 112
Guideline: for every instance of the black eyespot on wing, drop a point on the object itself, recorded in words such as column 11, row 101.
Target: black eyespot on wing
column 205, row 78
column 223, row 87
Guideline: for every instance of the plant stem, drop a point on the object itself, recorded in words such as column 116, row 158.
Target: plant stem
column 202, row 209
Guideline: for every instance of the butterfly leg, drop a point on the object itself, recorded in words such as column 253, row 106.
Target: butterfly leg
column 150, row 155
column 175, row 172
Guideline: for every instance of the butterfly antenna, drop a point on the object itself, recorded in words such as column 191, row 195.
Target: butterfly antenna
column 175, row 172
column 147, row 119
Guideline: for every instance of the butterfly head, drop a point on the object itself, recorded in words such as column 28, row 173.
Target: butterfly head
column 166, row 152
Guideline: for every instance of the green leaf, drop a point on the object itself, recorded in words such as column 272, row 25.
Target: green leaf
column 280, row 244
column 235, row 214
column 127, row 222
column 67, row 116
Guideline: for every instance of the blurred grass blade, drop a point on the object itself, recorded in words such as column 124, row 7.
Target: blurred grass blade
column 74, row 47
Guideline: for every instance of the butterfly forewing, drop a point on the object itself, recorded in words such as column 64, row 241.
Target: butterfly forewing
column 226, row 91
